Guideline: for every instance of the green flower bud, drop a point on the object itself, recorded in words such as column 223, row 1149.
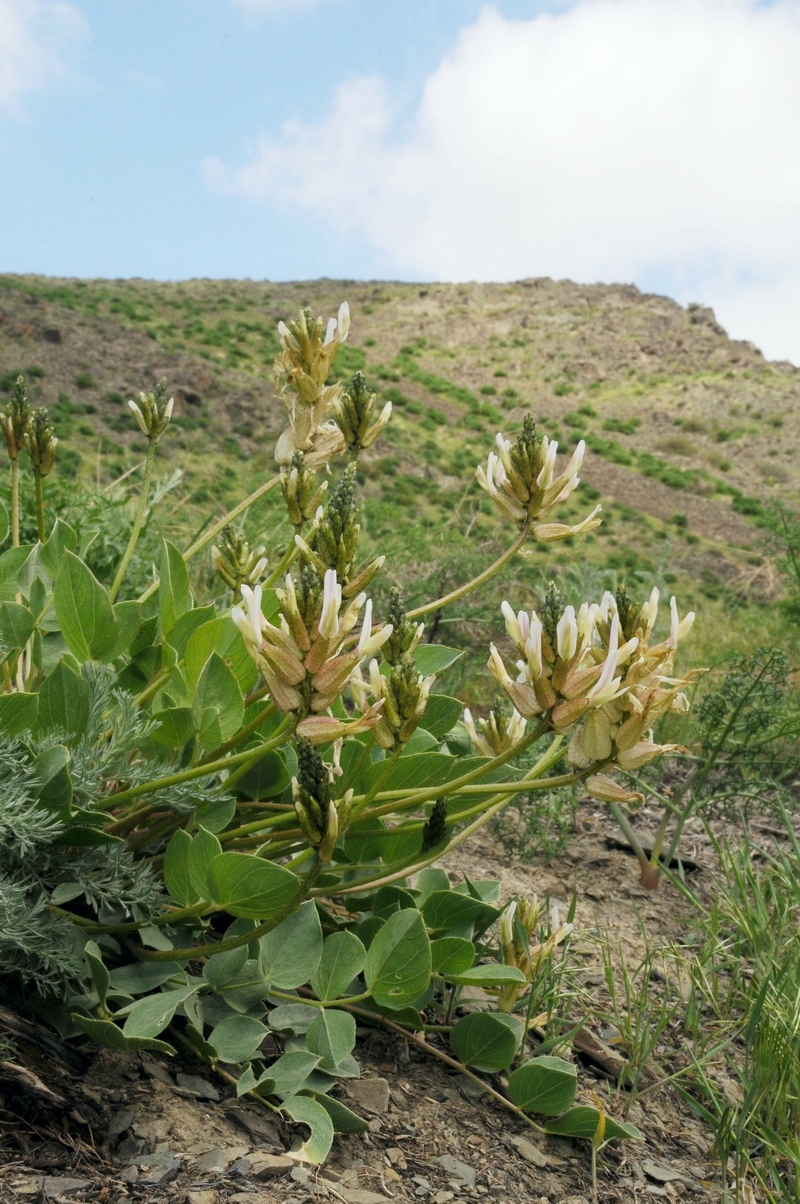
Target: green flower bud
column 153, row 411
column 16, row 420
column 236, row 562
column 41, row 443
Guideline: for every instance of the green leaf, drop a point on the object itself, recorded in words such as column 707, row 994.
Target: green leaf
column 390, row 899
column 290, row 954
column 344, row 1121
column 62, row 538
column 238, row 1038
column 100, row 975
column 64, row 701
column 205, row 639
column 266, row 779
column 424, row 769
column 84, row 611
column 433, row 658
column 332, row 1035
column 288, row 1073
column 583, row 1120
column 398, row 966
column 12, row 562
column 246, row 886
column 107, row 1033
column 173, row 590
column 175, row 727
column 546, row 1085
column 309, row 1112
column 343, row 957
column 55, row 785
column 486, row 1040
column 18, row 712
column 486, row 976
column 16, row 625
column 441, row 714
column 446, row 909
column 217, row 691
column 150, row 1016
column 294, row 1018
column 188, row 623
column 451, row 955
column 129, row 622
column 139, row 977
column 429, row 880
column 176, row 869
column 205, row 847
column 4, row 522
column 222, row 968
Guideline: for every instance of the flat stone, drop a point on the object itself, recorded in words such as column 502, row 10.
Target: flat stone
column 442, row 1197
column 529, row 1151
column 157, row 1168
column 661, row 1174
column 370, row 1094
column 52, row 1186
column 121, row 1120
column 200, row 1087
column 359, row 1195
column 219, row 1159
column 459, row 1169
column 270, row 1166
column 202, row 1197
column 156, row 1071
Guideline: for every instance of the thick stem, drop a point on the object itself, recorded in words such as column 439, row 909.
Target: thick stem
column 629, row 834
column 15, row 503
column 37, row 485
column 486, row 575
column 137, row 522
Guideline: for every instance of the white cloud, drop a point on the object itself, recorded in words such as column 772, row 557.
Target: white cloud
column 616, row 140
column 33, row 35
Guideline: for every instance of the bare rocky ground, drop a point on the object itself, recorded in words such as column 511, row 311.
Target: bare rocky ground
column 137, row 1129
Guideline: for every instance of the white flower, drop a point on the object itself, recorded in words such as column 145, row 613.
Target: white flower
column 367, row 641
column 516, row 727
column 533, row 646
column 497, row 667
column 507, row 924
column 678, row 627
column 344, row 321
column 331, row 601
column 330, row 333
column 518, row 626
column 168, row 409
column 567, row 634
column 139, row 416
column 607, row 685
column 249, row 619
column 550, row 450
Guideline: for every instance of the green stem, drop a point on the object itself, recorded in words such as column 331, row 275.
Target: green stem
column 235, row 942
column 188, row 775
column 137, row 522
column 283, row 564
column 476, row 581
column 37, row 485
column 210, row 534
column 15, row 503
column 380, row 778
column 629, row 834
column 241, row 735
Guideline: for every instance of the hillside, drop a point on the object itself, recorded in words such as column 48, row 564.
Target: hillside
column 689, row 431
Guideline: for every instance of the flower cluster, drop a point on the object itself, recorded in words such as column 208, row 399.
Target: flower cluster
column 303, row 658
column 354, row 412
column 308, row 350
column 497, row 733
column 41, row 443
column 236, row 562
column 322, row 817
column 402, row 692
column 599, row 667
column 153, row 411
column 521, row 479
column 517, row 927
column 16, row 419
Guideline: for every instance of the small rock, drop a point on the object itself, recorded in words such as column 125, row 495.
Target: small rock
column 157, row 1168
column 358, row 1195
column 53, row 1186
column 300, row 1174
column 460, row 1169
column 442, row 1197
column 121, row 1121
column 200, row 1087
column 529, row 1151
column 156, row 1071
column 129, row 1175
column 661, row 1174
column 469, row 1088
column 241, row 1167
column 219, row 1159
column 370, row 1094
column 130, row 1148
column 396, row 1157
column 202, row 1197
column 270, row 1166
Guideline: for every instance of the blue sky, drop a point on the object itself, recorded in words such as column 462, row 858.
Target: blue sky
column 646, row 140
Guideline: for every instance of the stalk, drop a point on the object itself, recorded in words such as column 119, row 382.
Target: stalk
column 37, row 484
column 15, row 503
column 476, row 581
column 137, row 522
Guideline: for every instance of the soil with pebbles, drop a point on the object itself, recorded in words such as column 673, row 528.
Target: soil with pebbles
column 142, row 1130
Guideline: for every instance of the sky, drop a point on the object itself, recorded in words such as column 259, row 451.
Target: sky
column 647, row 141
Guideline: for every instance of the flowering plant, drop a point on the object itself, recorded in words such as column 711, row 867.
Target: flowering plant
column 283, row 760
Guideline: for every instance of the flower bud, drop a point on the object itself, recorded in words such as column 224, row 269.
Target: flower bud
column 16, row 419
column 236, row 562
column 41, row 443
column 153, row 411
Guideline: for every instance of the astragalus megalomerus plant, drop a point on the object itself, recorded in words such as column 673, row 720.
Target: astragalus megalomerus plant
column 220, row 822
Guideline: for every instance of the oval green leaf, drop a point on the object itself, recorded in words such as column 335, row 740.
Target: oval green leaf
column 343, row 957
column 398, row 966
column 486, row 1040
column 244, row 885
column 546, row 1085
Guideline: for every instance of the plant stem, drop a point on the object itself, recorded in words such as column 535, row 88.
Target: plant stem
column 210, row 534
column 246, row 731
column 37, row 485
column 137, row 522
column 15, row 503
column 380, row 778
column 476, row 581
column 629, row 834
column 188, row 775
column 280, row 568
column 234, row 942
